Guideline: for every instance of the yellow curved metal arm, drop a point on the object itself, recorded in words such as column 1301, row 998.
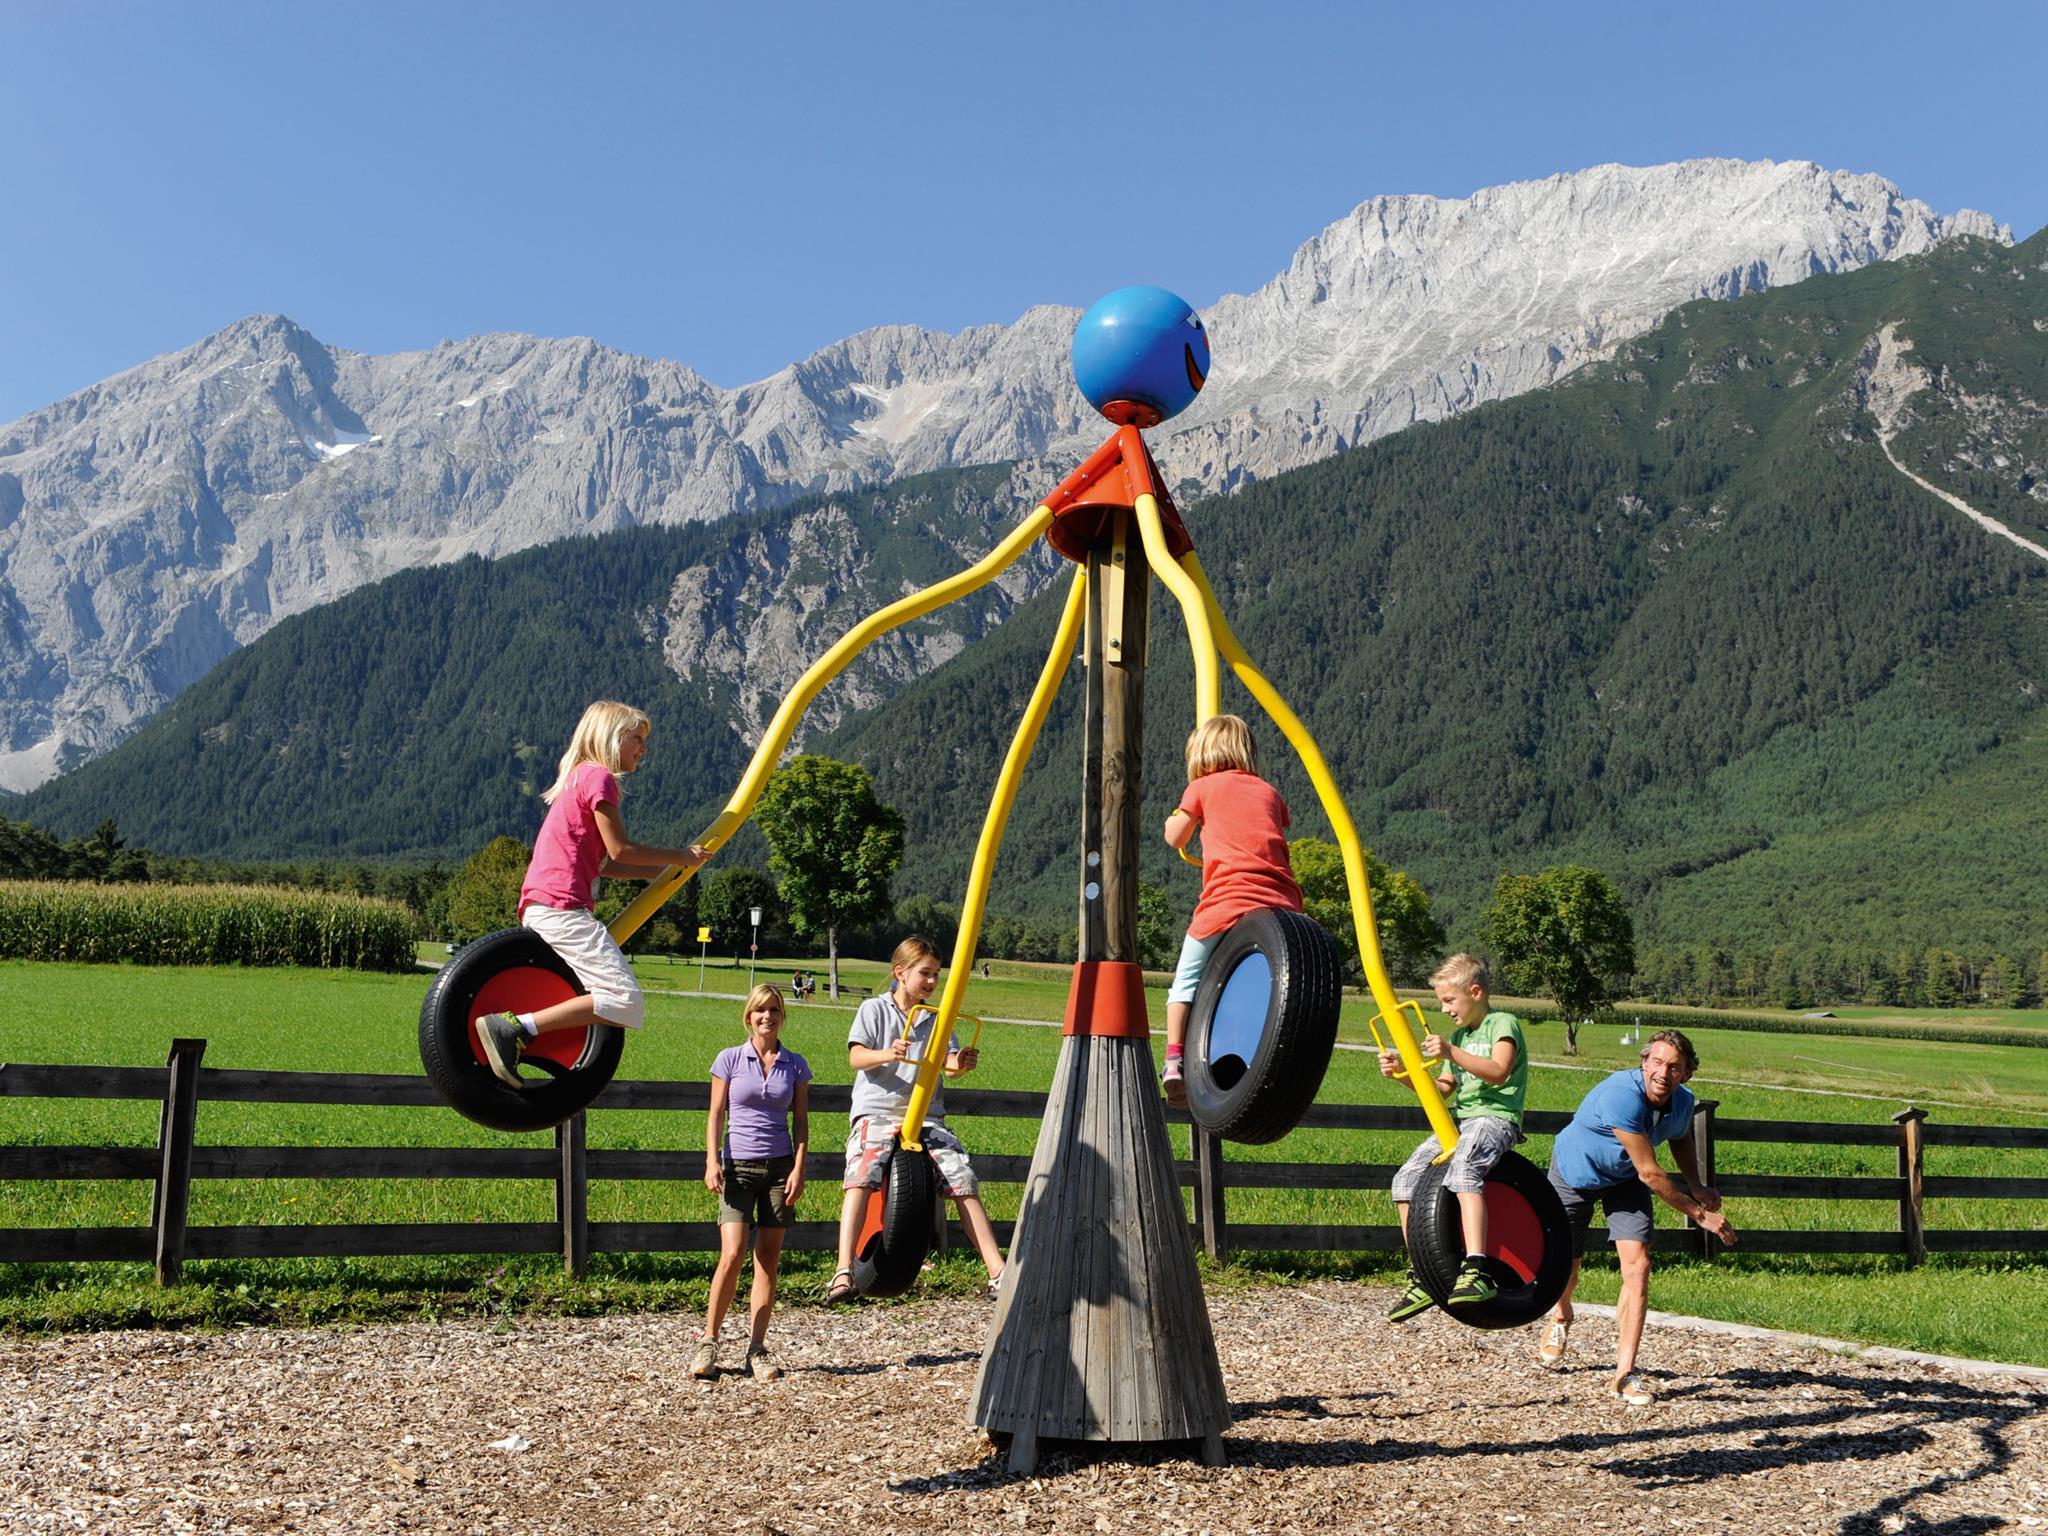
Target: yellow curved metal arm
column 1208, row 688
column 976, row 905
column 821, row 672
column 1405, row 1044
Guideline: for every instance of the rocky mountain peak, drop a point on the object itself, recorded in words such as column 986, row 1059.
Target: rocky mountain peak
column 154, row 522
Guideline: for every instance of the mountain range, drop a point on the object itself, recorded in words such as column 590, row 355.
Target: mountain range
column 1752, row 615
column 153, row 524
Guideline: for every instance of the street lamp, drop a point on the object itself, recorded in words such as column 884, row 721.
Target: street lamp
column 755, row 914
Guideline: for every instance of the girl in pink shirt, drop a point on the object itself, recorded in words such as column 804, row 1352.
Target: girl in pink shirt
column 583, row 837
column 1245, row 865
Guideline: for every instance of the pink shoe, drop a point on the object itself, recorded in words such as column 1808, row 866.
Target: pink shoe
column 1175, row 1082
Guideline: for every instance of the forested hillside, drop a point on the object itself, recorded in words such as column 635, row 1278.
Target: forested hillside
column 1679, row 618
column 419, row 717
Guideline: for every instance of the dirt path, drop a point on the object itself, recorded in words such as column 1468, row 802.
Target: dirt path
column 1341, row 1423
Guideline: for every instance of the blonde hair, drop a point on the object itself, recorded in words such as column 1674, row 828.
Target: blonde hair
column 1462, row 970
column 765, row 992
column 913, row 949
column 597, row 738
column 1219, row 742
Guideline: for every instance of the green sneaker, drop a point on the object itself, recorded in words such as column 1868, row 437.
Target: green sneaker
column 1473, row 1287
column 504, row 1042
column 1414, row 1301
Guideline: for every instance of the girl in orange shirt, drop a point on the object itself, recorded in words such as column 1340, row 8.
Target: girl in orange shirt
column 1244, row 824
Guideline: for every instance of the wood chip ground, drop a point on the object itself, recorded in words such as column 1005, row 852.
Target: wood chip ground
column 1340, row 1423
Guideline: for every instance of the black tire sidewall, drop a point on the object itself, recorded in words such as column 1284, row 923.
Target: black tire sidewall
column 1436, row 1246
column 1300, row 1029
column 470, row 1087
column 890, row 1263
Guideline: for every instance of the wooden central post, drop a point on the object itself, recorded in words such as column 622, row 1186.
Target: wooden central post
column 1101, row 1331
column 1119, row 593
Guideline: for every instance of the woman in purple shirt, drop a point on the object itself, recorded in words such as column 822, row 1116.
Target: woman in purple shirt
column 755, row 1165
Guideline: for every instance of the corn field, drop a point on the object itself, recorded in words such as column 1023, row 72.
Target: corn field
column 201, row 925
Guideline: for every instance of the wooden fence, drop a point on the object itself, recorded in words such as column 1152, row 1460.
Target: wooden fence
column 570, row 1164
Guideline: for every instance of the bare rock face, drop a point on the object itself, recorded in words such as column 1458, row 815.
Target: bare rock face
column 155, row 522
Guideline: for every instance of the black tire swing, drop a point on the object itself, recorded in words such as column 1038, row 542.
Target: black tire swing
column 512, row 971
column 1263, row 1025
column 1528, row 1243
column 896, row 1232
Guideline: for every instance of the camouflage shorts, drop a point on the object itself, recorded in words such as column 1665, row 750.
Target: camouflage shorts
column 870, row 1138
column 1483, row 1140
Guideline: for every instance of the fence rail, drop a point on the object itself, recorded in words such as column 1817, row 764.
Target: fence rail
column 570, row 1164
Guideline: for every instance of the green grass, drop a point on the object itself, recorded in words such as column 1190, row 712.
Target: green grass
column 338, row 1021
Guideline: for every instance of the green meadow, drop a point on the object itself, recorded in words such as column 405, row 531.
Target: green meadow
column 329, row 1021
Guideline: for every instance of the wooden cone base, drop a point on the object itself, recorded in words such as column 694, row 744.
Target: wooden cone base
column 1101, row 1331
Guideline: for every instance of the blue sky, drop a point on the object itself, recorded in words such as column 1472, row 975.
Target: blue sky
column 734, row 186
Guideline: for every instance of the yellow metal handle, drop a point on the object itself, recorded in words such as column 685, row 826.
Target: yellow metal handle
column 821, row 672
column 937, row 1058
column 973, row 1040
column 1182, row 850
column 975, row 906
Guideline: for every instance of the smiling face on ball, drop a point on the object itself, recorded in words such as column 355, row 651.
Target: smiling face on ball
column 1141, row 355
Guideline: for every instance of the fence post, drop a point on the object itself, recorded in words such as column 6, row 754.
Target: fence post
column 174, row 1158
column 1703, row 1151
column 1912, row 1171
column 572, row 1194
column 1208, row 1151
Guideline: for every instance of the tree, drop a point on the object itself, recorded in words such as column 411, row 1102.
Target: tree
column 484, row 896
column 1781, row 979
column 725, row 905
column 1410, row 936
column 999, row 937
column 938, row 921
column 1158, row 929
column 106, row 856
column 1036, row 943
column 833, row 846
column 1947, row 981
column 1999, row 983
column 1562, row 932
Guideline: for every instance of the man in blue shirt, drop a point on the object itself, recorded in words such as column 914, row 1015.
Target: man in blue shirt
column 1609, row 1153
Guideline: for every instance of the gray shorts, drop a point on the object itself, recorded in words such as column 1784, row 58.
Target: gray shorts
column 755, row 1192
column 1483, row 1141
column 1631, row 1212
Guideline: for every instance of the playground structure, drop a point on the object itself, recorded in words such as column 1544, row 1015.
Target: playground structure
column 1101, row 1331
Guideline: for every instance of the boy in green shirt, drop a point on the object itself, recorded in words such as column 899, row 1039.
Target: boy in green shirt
column 1485, row 1078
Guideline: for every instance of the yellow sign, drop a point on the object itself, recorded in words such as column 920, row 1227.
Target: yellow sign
column 703, row 935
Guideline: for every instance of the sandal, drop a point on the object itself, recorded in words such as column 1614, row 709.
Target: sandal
column 842, row 1287
column 1557, row 1335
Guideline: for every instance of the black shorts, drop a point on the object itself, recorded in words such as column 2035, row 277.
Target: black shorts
column 754, row 1192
